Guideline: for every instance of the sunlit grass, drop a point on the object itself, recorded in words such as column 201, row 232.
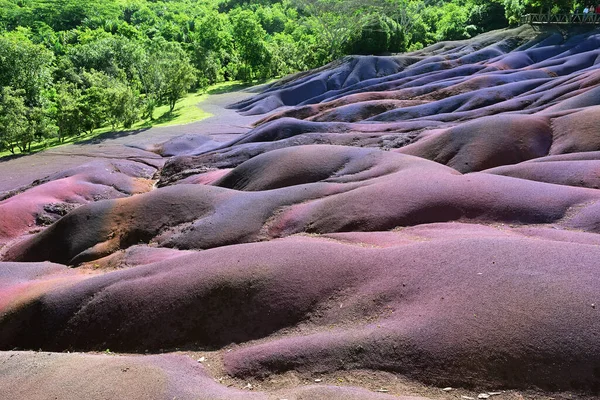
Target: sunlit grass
column 187, row 110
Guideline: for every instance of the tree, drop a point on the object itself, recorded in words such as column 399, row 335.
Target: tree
column 382, row 36
column 123, row 108
column 9, row 14
column 152, row 78
column 68, row 113
column 449, row 22
column 177, row 73
column 180, row 78
column 166, row 74
column 286, row 56
column 68, row 14
column 337, row 22
column 549, row 6
column 487, row 15
column 249, row 38
column 13, row 119
column 101, row 51
column 25, row 66
column 94, row 102
column 21, row 125
column 211, row 47
column 40, row 125
column 106, row 99
column 515, row 8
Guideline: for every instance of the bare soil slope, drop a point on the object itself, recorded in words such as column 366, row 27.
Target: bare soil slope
column 383, row 227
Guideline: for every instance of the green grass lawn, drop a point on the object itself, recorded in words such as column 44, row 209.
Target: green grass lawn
column 187, row 110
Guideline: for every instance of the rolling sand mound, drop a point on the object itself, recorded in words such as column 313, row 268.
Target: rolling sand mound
column 431, row 218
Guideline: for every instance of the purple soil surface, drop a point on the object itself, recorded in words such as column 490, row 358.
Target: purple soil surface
column 432, row 217
column 79, row 376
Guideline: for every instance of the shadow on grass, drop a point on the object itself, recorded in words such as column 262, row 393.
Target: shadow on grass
column 228, row 88
column 102, row 137
column 95, row 138
column 163, row 119
column 36, row 147
column 236, row 86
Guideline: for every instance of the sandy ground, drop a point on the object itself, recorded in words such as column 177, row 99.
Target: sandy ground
column 224, row 125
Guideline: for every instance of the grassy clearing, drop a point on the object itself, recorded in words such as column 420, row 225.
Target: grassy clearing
column 187, row 110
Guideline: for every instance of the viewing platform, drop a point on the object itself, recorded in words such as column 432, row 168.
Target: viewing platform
column 561, row 19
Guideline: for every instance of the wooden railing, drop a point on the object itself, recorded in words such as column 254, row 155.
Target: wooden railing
column 561, row 19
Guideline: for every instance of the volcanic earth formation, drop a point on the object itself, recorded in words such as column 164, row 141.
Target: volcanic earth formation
column 390, row 226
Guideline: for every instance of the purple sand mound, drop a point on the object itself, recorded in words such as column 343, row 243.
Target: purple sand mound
column 571, row 173
column 448, row 303
column 312, row 189
column 53, row 197
column 431, row 217
column 480, row 144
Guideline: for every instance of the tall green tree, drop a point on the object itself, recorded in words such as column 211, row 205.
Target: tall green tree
column 112, row 54
column 178, row 74
column 249, row 38
column 13, row 119
column 94, row 102
column 68, row 113
column 382, row 36
column 516, row 8
column 337, row 22
column 67, row 14
column 166, row 74
column 25, row 65
column 40, row 124
column 123, row 106
column 211, row 47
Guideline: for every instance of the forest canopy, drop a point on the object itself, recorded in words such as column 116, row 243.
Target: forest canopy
column 71, row 66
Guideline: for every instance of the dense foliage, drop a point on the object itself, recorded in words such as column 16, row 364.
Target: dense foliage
column 71, row 66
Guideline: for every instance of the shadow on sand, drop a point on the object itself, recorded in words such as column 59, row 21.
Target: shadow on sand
column 112, row 135
column 14, row 156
